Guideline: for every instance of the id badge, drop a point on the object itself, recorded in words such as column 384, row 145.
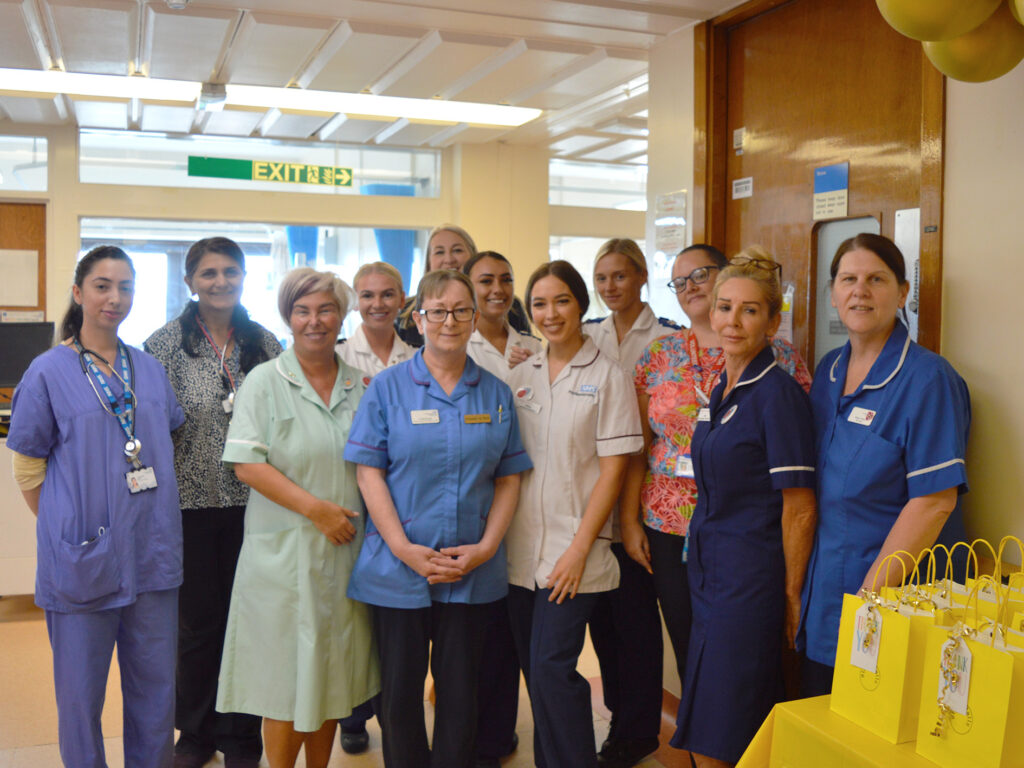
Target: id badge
column 704, row 414
column 684, row 465
column 139, row 480
column 228, row 404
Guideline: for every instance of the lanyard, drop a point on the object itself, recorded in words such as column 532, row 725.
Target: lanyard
column 702, row 387
column 221, row 353
column 125, row 414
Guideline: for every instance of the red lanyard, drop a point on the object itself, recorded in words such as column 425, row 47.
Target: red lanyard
column 705, row 378
column 221, row 353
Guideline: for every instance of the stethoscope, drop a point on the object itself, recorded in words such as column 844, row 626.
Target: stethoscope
column 86, row 359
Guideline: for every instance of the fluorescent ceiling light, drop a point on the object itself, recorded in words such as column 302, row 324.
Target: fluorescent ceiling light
column 24, row 82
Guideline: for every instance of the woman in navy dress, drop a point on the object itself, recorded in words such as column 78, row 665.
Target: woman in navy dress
column 752, row 529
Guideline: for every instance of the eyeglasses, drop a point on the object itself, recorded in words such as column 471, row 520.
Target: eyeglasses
column 698, row 276
column 753, row 261
column 439, row 315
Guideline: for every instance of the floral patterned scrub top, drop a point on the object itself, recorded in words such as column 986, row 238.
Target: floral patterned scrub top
column 678, row 378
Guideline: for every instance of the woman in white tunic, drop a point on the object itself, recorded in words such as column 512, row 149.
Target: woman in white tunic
column 376, row 345
column 495, row 345
column 579, row 423
column 297, row 651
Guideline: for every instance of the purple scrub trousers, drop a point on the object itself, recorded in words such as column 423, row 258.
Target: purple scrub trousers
column 145, row 634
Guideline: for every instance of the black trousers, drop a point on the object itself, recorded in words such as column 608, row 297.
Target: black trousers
column 497, row 686
column 404, row 639
column 212, row 539
column 626, row 631
column 673, row 589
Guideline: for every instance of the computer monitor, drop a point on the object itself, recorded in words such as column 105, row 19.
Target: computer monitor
column 20, row 343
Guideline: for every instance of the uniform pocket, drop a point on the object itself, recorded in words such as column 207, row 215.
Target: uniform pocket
column 87, row 571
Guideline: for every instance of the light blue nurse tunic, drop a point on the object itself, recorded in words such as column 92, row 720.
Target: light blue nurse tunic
column 901, row 434
column 442, row 454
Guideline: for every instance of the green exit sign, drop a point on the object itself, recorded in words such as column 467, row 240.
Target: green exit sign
column 268, row 170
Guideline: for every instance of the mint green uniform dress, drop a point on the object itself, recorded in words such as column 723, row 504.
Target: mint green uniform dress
column 296, row 648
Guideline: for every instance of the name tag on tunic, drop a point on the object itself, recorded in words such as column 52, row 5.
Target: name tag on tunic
column 428, row 416
column 862, row 416
column 477, row 418
column 704, row 414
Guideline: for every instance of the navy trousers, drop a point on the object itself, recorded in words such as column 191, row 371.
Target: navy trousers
column 549, row 638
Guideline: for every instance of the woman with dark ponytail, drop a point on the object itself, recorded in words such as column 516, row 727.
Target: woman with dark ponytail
column 91, row 432
column 207, row 351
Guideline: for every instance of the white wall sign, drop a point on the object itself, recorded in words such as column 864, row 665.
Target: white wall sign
column 19, row 278
column 743, row 187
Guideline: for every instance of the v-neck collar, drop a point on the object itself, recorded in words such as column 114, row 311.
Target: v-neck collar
column 287, row 365
column 421, row 375
column 889, row 362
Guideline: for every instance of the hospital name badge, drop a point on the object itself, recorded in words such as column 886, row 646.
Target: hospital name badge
column 426, row 416
column 477, row 418
column 862, row 416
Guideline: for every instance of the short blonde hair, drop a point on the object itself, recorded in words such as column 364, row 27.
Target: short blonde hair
column 627, row 248
column 433, row 284
column 304, row 281
column 757, row 264
column 378, row 268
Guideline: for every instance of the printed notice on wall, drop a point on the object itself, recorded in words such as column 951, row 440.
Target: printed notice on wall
column 19, row 278
column 742, row 187
column 831, row 191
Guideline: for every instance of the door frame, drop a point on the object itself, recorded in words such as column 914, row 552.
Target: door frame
column 711, row 145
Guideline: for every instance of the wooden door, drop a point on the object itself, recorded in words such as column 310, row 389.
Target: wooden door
column 813, row 83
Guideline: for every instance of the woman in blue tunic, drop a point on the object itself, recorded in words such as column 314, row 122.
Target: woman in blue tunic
column 891, row 420
column 91, row 431
column 751, row 533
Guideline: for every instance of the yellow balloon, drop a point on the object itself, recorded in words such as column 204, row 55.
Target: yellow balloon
column 1017, row 9
column 985, row 53
column 935, row 19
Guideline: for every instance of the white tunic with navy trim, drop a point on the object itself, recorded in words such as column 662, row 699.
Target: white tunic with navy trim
column 646, row 328
column 487, row 356
column 588, row 411
column 356, row 352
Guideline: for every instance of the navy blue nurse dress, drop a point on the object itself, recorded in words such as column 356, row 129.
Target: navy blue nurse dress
column 758, row 440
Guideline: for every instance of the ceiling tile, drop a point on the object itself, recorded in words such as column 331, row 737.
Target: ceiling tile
column 615, row 151
column 366, row 55
column 95, row 37
column 572, row 144
column 533, row 66
column 594, row 79
column 453, row 58
column 292, row 126
column 157, row 117
column 275, row 47
column 102, row 114
column 186, row 44
column 14, row 40
column 232, row 122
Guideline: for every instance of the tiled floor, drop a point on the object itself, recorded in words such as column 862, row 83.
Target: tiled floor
column 28, row 718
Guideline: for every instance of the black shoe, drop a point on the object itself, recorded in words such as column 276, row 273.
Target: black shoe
column 191, row 759
column 488, row 762
column 354, row 743
column 625, row 753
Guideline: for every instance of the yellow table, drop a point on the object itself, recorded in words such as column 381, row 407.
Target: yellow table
column 807, row 734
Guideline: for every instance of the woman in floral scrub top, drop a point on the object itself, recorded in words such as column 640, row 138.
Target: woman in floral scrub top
column 674, row 379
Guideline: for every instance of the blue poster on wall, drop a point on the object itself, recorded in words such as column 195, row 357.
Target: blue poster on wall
column 831, row 191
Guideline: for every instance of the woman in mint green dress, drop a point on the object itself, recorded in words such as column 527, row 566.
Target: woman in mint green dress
column 297, row 651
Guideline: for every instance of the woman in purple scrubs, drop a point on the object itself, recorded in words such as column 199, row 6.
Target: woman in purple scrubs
column 91, row 429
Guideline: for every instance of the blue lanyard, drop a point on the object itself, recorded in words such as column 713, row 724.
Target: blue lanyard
column 125, row 414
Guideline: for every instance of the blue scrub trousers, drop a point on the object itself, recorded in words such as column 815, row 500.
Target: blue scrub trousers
column 145, row 634
column 549, row 638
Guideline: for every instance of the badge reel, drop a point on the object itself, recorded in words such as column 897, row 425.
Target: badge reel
column 684, row 466
column 139, row 478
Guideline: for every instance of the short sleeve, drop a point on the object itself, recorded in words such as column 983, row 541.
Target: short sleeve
column 249, row 432
column 938, row 419
column 514, row 458
column 789, row 437
column 618, row 417
column 368, row 439
column 791, row 362
column 33, row 430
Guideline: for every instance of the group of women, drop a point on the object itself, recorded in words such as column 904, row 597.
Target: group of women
column 351, row 515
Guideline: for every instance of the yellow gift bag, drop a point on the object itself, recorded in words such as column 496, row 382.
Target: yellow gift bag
column 891, row 638
column 972, row 697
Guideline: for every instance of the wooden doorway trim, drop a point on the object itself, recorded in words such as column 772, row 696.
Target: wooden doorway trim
column 711, row 145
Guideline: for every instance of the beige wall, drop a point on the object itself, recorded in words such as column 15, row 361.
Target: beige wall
column 983, row 258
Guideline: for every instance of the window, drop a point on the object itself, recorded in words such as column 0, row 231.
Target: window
column 158, row 250
column 154, row 159
column 23, row 163
column 597, row 185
